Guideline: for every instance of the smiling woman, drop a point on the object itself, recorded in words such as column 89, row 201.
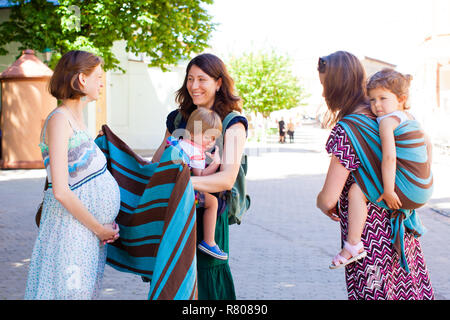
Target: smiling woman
column 208, row 78
column 207, row 84
column 202, row 88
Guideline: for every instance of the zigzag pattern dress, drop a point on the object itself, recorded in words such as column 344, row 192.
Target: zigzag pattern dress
column 379, row 276
column 68, row 260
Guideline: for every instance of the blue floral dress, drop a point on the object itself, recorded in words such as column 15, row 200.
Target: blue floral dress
column 68, row 259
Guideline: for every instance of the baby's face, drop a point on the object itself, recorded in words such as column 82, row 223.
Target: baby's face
column 206, row 140
column 383, row 101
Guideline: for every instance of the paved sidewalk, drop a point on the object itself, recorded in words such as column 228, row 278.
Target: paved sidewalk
column 280, row 251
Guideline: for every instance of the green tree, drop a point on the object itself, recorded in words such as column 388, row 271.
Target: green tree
column 166, row 31
column 266, row 83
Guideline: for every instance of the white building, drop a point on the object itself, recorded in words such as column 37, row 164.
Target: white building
column 431, row 83
column 138, row 101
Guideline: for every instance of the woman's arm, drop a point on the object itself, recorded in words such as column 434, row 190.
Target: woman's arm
column 332, row 188
column 58, row 133
column 388, row 163
column 157, row 156
column 234, row 142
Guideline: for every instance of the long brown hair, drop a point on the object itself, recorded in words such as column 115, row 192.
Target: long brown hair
column 344, row 84
column 225, row 101
column 64, row 82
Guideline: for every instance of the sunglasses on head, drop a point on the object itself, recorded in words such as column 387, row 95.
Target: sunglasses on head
column 322, row 64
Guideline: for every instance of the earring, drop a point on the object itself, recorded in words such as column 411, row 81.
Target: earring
column 83, row 98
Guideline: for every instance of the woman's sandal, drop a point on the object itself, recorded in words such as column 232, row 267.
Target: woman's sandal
column 339, row 261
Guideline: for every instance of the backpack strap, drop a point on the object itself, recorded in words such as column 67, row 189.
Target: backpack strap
column 177, row 120
column 225, row 122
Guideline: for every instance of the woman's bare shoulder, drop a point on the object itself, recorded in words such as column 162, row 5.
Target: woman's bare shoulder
column 59, row 123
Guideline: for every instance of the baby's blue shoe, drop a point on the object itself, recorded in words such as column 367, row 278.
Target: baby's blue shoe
column 212, row 251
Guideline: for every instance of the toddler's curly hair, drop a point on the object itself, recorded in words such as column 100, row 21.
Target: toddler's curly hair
column 393, row 81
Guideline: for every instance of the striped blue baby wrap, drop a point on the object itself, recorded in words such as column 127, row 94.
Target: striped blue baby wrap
column 413, row 180
column 157, row 219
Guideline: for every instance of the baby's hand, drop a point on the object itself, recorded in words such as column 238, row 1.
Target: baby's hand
column 215, row 157
column 392, row 200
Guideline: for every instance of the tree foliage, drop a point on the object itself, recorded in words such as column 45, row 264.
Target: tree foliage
column 265, row 82
column 166, row 31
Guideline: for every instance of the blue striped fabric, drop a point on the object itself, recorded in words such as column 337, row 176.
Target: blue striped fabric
column 413, row 180
column 157, row 219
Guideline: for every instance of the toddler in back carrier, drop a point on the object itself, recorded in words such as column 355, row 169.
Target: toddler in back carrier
column 388, row 94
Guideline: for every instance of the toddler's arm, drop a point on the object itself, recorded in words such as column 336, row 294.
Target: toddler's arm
column 388, row 163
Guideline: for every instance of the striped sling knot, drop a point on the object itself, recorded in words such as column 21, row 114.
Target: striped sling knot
column 157, row 220
column 413, row 177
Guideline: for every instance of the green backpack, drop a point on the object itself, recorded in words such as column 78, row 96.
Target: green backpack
column 238, row 201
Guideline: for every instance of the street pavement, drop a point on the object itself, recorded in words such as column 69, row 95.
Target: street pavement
column 281, row 250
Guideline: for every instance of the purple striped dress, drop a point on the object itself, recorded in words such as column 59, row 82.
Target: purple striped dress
column 379, row 275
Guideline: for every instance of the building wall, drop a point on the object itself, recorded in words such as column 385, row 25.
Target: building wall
column 372, row 65
column 431, row 87
column 139, row 100
column 445, row 87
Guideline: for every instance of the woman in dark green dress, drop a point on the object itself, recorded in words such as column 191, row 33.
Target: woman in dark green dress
column 207, row 84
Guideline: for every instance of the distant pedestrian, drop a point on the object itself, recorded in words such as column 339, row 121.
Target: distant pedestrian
column 82, row 199
column 291, row 130
column 282, row 130
column 380, row 275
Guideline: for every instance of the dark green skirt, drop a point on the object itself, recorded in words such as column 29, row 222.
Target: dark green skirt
column 215, row 281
